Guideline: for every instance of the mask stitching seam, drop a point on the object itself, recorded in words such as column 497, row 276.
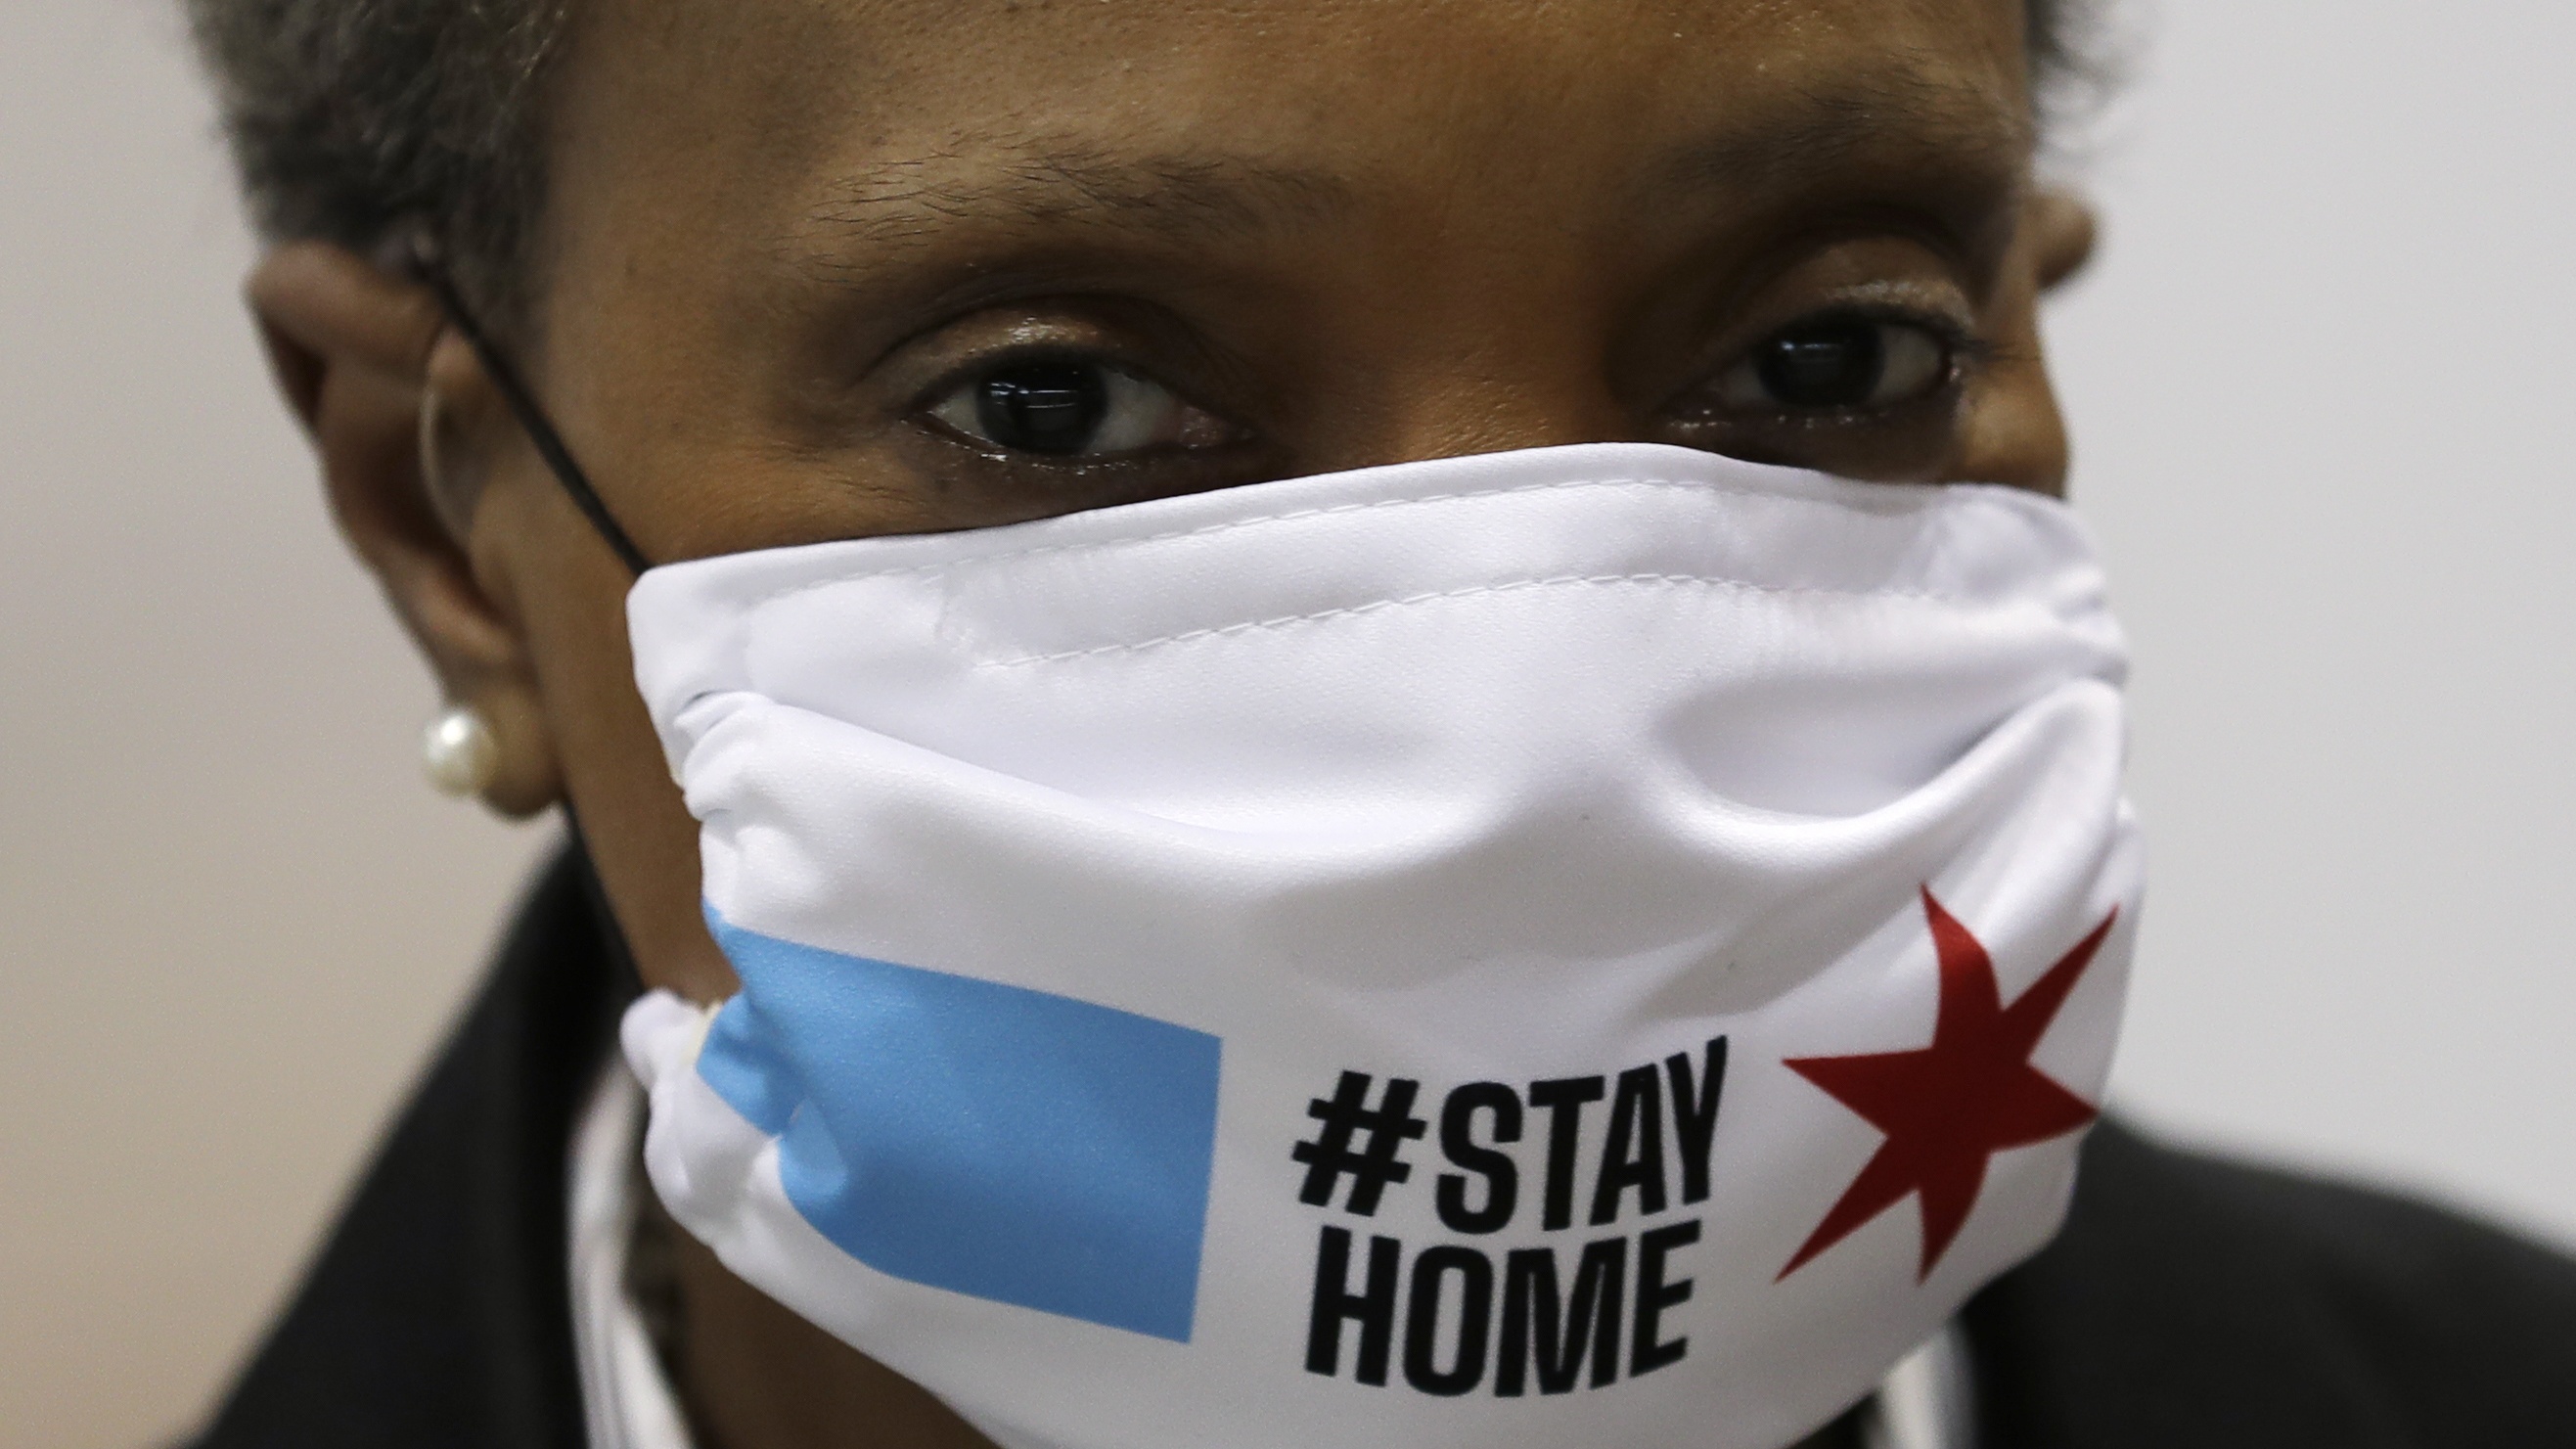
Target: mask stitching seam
column 1951, row 500
column 1480, row 590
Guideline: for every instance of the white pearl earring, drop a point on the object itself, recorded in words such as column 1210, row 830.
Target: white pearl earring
column 458, row 753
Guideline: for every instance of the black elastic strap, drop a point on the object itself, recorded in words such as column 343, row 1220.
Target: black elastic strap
column 523, row 406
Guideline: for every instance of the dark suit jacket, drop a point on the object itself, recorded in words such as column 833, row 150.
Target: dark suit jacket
column 2189, row 1302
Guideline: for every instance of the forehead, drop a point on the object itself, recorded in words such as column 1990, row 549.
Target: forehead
column 895, row 113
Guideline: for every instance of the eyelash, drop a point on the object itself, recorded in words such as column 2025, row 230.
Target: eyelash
column 954, row 388
column 1004, row 359
column 1961, row 349
column 1964, row 347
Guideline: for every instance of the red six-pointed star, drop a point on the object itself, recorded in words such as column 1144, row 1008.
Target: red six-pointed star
column 1949, row 1106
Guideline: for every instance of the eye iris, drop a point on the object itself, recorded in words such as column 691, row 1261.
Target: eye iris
column 1836, row 364
column 1043, row 409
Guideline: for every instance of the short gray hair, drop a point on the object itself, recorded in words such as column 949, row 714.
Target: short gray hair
column 358, row 121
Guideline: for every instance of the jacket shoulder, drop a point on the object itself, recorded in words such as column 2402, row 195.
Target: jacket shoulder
column 2193, row 1299
column 438, row 1312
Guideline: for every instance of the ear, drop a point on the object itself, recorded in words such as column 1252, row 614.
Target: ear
column 2062, row 235
column 395, row 405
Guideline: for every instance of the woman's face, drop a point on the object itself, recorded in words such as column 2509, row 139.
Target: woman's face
column 814, row 269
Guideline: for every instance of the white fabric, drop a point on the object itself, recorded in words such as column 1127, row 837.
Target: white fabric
column 625, row 1398
column 1928, row 1400
column 628, row 1403
column 1036, row 846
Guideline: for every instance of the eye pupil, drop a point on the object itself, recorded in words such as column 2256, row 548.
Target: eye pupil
column 1828, row 364
column 1043, row 408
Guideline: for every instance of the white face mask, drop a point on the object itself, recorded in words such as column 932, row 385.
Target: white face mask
column 1600, row 946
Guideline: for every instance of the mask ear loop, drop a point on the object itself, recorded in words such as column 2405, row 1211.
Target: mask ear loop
column 523, row 406
column 576, row 484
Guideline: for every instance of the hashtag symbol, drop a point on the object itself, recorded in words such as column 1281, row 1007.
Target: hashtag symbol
column 1374, row 1165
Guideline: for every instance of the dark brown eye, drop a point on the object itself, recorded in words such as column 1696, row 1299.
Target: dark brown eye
column 1046, row 408
column 1838, row 364
column 1075, row 409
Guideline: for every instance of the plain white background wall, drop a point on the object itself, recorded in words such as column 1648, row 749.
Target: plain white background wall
column 2320, row 386
column 2319, row 383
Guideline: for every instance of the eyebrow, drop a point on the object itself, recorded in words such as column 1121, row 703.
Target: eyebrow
column 1896, row 120
column 1900, row 125
column 1174, row 197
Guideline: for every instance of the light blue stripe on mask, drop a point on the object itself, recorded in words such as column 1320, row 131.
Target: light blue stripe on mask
column 987, row 1139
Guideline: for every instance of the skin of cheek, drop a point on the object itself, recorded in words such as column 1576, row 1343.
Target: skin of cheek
column 540, row 560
